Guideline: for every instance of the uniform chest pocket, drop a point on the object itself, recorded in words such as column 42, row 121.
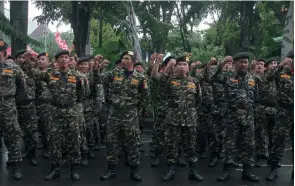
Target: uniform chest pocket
column 8, row 77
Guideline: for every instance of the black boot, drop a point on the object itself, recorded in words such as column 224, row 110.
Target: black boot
column 54, row 172
column 170, row 174
column 273, row 175
column 8, row 163
column 91, row 155
column 32, row 157
column 134, row 173
column 225, row 175
column 180, row 162
column 75, row 176
column 214, row 160
column 247, row 175
column 110, row 174
column 17, row 173
column 258, row 161
column 126, row 159
column 193, row 175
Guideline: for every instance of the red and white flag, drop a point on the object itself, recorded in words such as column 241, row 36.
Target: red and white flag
column 62, row 44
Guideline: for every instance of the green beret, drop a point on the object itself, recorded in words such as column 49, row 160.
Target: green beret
column 3, row 45
column 241, row 55
column 83, row 59
column 291, row 54
column 261, row 59
column 20, row 53
column 61, row 52
column 269, row 61
column 42, row 54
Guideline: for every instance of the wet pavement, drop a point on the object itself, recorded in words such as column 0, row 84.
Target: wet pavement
column 34, row 176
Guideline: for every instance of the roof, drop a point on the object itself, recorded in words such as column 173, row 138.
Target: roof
column 39, row 31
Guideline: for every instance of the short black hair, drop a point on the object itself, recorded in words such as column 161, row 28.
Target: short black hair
column 166, row 61
column 181, row 59
column 118, row 61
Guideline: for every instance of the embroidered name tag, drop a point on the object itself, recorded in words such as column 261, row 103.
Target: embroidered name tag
column 234, row 80
column 116, row 78
column 175, row 83
column 8, row 71
column 54, row 78
column 285, row 76
column 251, row 83
column 72, row 80
column 134, row 81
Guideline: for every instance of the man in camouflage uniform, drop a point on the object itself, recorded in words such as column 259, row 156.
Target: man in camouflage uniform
column 183, row 97
column 241, row 94
column 128, row 91
column 265, row 112
column 284, row 77
column 65, row 88
column 43, row 108
column 217, row 132
column 12, row 82
column 25, row 102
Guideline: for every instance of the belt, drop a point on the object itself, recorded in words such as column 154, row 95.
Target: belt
column 267, row 104
column 63, row 104
column 7, row 97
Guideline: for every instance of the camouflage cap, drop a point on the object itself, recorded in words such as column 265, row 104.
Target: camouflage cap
column 269, row 61
column 241, row 55
column 20, row 53
column 3, row 45
column 61, row 52
column 42, row 54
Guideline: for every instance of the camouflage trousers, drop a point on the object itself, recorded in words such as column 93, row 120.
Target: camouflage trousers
column 283, row 129
column 239, row 126
column 90, row 124
column 217, row 134
column 100, row 128
column 43, row 112
column 158, row 138
column 10, row 130
column 65, row 126
column 123, row 127
column 204, row 126
column 28, row 122
column 180, row 137
column 265, row 122
column 82, row 128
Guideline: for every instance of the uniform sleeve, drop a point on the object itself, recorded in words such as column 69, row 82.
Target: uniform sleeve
column 20, row 81
column 143, row 96
column 198, row 96
column 81, row 88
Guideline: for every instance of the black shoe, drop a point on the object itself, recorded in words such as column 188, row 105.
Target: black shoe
column 181, row 163
column 214, row 160
column 54, row 172
column 32, row 157
column 247, row 175
column 203, row 155
column 155, row 162
column 75, row 176
column 170, row 174
column 273, row 175
column 258, row 161
column 91, row 155
column 193, row 175
column 84, row 162
column 134, row 173
column 110, row 174
column 225, row 175
column 17, row 173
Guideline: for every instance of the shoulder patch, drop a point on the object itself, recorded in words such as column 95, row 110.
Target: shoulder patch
column 234, row 80
column 285, row 76
column 176, row 83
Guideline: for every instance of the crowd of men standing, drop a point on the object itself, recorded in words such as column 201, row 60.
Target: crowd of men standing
column 228, row 108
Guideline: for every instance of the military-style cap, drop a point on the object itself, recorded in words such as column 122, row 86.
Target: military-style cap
column 3, row 45
column 241, row 55
column 61, row 52
column 139, row 63
column 269, row 61
column 83, row 59
column 20, row 53
column 261, row 59
column 291, row 54
column 11, row 57
column 130, row 53
column 42, row 54
column 182, row 59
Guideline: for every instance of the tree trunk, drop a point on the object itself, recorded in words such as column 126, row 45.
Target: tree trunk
column 80, row 25
column 19, row 20
column 100, row 29
column 246, row 10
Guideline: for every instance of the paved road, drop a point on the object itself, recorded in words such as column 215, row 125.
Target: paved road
column 34, row 176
